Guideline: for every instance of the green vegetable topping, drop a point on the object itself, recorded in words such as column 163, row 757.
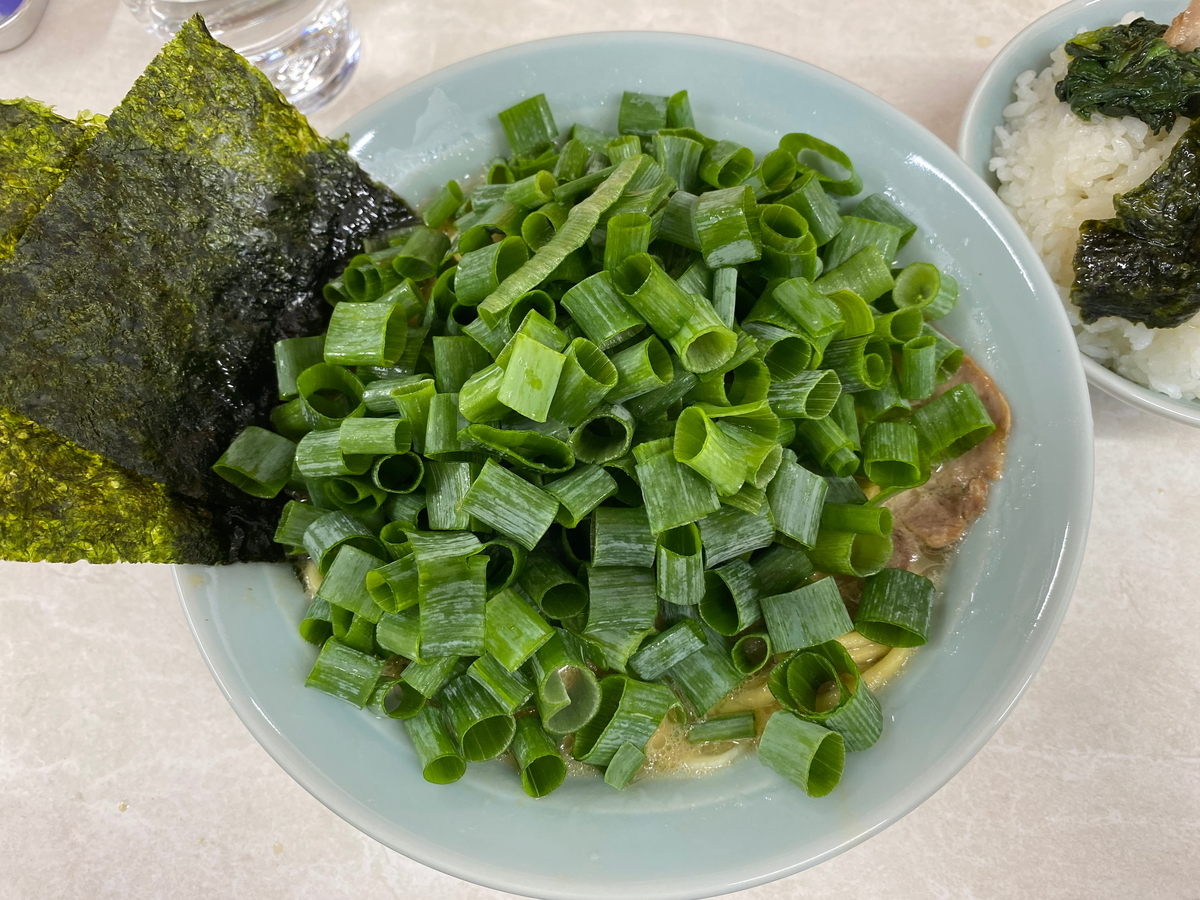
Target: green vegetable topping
column 1129, row 70
column 1142, row 264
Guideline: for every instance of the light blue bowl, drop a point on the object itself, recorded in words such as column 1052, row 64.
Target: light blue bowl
column 1004, row 597
column 1031, row 50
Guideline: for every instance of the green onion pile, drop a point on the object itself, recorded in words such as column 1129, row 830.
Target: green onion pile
column 571, row 454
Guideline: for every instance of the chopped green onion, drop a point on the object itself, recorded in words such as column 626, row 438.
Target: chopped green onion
column 808, row 615
column 572, row 160
column 453, row 592
column 825, row 154
column 724, row 222
column 857, row 234
column 400, row 632
column 483, row 727
column 422, row 253
column 396, row 700
column 796, row 496
column 626, row 763
column 510, row 688
column 480, row 272
column 866, row 273
column 630, row 711
column 319, row 455
column 446, row 485
column 354, row 495
column 443, row 205
column 334, row 530
column 529, row 125
column 896, row 608
column 605, row 434
column 532, row 191
column 622, row 537
column 781, row 568
column 258, row 461
column 705, row 677
column 328, row 394
column 568, row 695
column 918, row 368
column 581, row 221
column 953, row 423
column 293, row 356
column 513, row 631
column 538, row 759
column 530, row 380
column 726, row 164
column 810, row 395
column 751, row 653
column 805, row 753
column 510, row 504
column 857, row 519
column 557, row 592
column 664, row 650
column 819, row 211
column 730, row 532
column 429, row 676
column 847, row 553
column 679, row 565
column 440, row 759
column 881, row 209
column 730, row 601
column 579, row 492
column 644, row 367
column 621, row 611
column 675, row 493
column 345, row 673
column 891, row 455
column 733, row 727
column 856, row 367
column 600, row 311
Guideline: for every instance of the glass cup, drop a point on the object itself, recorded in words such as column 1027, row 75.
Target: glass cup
column 308, row 48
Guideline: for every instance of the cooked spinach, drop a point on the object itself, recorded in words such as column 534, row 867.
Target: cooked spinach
column 1144, row 263
column 1129, row 70
column 141, row 304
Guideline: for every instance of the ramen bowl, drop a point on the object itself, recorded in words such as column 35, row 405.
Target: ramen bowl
column 1004, row 595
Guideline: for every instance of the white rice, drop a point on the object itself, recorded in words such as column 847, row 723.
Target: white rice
column 1055, row 171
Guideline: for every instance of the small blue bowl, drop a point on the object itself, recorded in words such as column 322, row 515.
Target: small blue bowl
column 1004, row 595
column 1031, row 50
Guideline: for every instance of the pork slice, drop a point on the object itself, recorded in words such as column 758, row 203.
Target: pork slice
column 937, row 514
column 1184, row 33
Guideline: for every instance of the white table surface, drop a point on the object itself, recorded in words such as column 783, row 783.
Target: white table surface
column 124, row 773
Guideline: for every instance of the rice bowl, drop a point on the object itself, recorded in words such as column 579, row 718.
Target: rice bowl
column 1014, row 119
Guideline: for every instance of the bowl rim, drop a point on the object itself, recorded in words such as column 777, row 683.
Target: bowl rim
column 1186, row 412
column 1059, row 584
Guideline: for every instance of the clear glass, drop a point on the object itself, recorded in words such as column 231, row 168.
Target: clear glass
column 308, row 48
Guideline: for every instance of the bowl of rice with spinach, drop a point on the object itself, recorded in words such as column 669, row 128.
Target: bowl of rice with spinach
column 1085, row 125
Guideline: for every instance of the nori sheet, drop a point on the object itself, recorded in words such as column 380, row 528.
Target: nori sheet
column 141, row 305
column 37, row 149
column 59, row 502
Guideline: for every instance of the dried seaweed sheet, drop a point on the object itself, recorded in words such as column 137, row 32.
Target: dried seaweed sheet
column 1144, row 263
column 142, row 301
column 37, row 149
column 59, row 502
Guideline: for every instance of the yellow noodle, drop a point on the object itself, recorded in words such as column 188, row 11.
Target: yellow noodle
column 865, row 653
column 878, row 675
